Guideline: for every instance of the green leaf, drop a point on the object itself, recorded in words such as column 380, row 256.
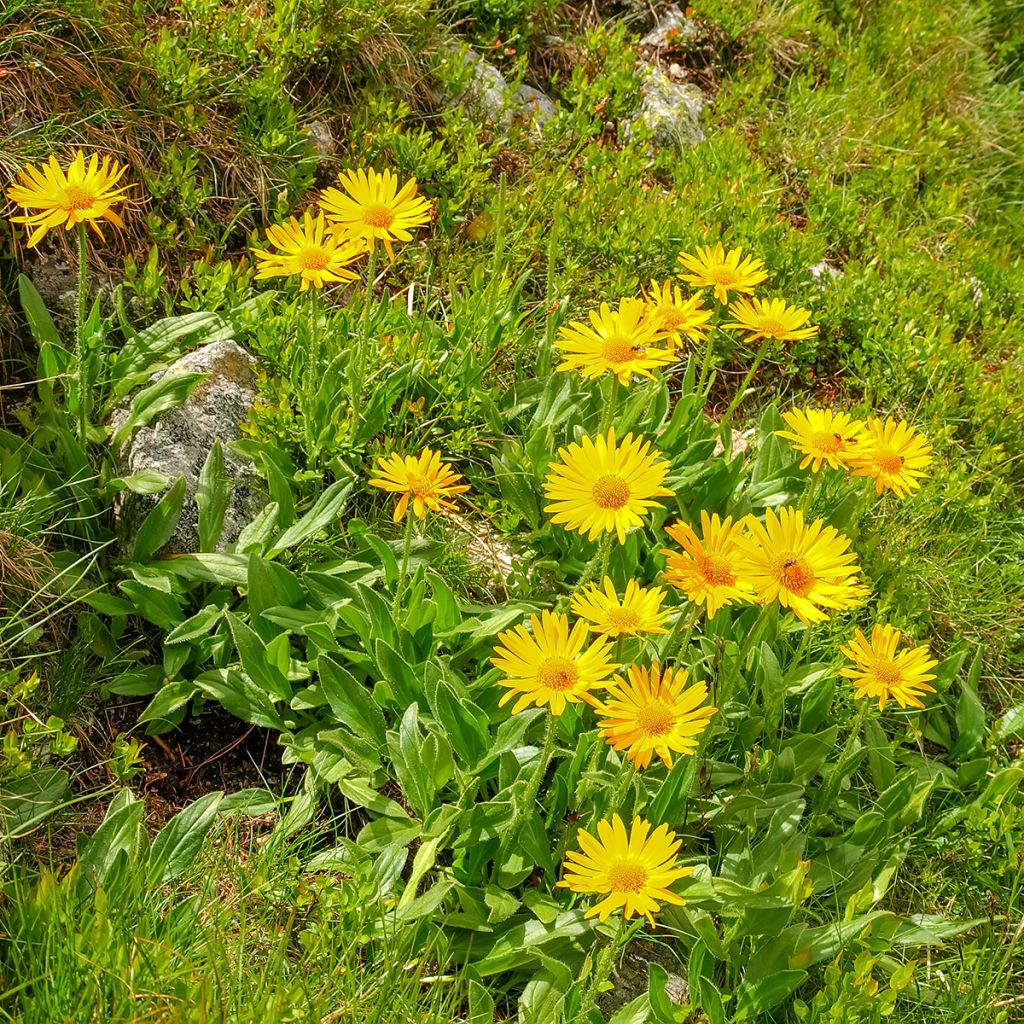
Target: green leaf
column 241, row 697
column 755, row 998
column 663, row 1010
column 169, row 392
column 146, row 481
column 406, row 756
column 970, row 714
column 256, row 662
column 673, row 791
column 171, row 698
column 30, row 799
column 350, row 701
column 159, row 525
column 121, row 831
column 213, row 495
column 179, row 841
column 327, row 508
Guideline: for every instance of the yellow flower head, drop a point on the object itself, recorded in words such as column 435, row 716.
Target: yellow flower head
column 81, row 194
column 821, row 436
column 655, row 712
column 712, row 268
column 316, row 255
column 638, row 612
column 770, row 318
column 880, row 672
column 805, row 568
column 618, row 341
column 423, row 478
column 710, row 569
column 676, row 317
column 551, row 665
column 632, row 871
column 601, row 486
column 895, row 454
column 373, row 207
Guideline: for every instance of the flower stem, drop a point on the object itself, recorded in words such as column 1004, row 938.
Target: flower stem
column 358, row 372
column 81, row 366
column 312, row 370
column 705, row 368
column 830, row 789
column 403, row 570
column 601, row 971
column 689, row 618
column 610, row 404
column 601, row 557
column 738, row 397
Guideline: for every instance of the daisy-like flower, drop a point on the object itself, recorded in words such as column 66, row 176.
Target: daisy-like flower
column 710, row 569
column 621, row 341
column 805, row 568
column 601, row 486
column 711, row 267
column 422, row 478
column 308, row 250
column 821, row 436
column 770, row 318
column 373, row 207
column 654, row 712
column 879, row 671
column 551, row 664
column 638, row 612
column 676, row 317
column 84, row 193
column 632, row 871
column 895, row 454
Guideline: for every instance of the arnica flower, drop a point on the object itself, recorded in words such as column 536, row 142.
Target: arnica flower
column 551, row 665
column 602, row 486
column 676, row 317
column 770, row 318
column 654, row 712
column 373, row 208
column 883, row 673
column 711, row 568
column 894, row 454
column 422, row 478
column 805, row 568
column 308, row 250
column 81, row 194
column 622, row 342
column 710, row 267
column 821, row 436
column 632, row 871
column 638, row 612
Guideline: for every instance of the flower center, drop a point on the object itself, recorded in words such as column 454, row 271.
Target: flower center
column 794, row 574
column 826, row 443
column 618, row 349
column 886, row 673
column 655, row 719
column 723, row 275
column 77, row 198
column 671, row 318
column 557, row 673
column 888, row 461
column 627, row 876
column 773, row 328
column 312, row 259
column 625, row 620
column 610, row 492
column 378, row 217
column 716, row 571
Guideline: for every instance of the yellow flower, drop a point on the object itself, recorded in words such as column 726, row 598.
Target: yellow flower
column 881, row 672
column 638, row 612
column 710, row 569
column 375, row 208
column 600, row 486
column 82, row 194
column 423, row 478
column 550, row 665
column 652, row 713
column 895, row 454
column 805, row 568
column 675, row 316
column 770, row 318
column 618, row 342
column 712, row 268
column 307, row 249
column 631, row 870
column 821, row 435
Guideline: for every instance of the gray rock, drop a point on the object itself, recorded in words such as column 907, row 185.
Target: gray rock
column 322, row 138
column 56, row 280
column 490, row 98
column 671, row 112
column 822, row 273
column 178, row 442
column 671, row 29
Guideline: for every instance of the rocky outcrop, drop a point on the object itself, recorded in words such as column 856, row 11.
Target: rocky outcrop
column 670, row 112
column 489, row 97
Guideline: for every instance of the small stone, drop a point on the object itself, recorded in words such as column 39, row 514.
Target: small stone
column 822, row 273
column 322, row 138
column 671, row 29
column 670, row 111
column 489, row 96
column 177, row 443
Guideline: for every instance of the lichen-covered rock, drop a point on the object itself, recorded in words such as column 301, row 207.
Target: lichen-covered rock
column 671, row 29
column 178, row 442
column 670, row 111
column 490, row 98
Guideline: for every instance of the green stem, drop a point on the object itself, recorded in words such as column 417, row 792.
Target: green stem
column 811, row 489
column 738, row 397
column 705, row 368
column 835, row 778
column 81, row 366
column 358, row 373
column 620, row 785
column 606, row 554
column 547, row 751
column 736, row 668
column 601, row 971
column 403, row 570
column 601, row 556
column 310, row 386
column 610, row 404
column 690, row 619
